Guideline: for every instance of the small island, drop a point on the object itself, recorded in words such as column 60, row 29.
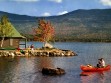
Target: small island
column 44, row 52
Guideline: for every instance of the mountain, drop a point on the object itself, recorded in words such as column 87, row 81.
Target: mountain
column 79, row 25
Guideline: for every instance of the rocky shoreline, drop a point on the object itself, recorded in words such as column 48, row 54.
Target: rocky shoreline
column 45, row 52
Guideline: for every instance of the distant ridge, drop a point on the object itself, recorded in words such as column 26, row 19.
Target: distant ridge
column 78, row 25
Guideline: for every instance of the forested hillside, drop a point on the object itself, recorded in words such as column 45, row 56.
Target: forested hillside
column 79, row 25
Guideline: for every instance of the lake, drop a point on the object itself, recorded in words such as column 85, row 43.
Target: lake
column 28, row 69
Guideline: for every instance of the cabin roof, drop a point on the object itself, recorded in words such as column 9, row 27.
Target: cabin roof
column 15, row 33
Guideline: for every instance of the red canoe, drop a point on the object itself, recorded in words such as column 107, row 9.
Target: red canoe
column 94, row 69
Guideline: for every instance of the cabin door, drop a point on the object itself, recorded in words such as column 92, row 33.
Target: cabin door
column 11, row 42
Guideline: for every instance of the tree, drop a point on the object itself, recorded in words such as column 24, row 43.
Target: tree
column 5, row 28
column 44, row 32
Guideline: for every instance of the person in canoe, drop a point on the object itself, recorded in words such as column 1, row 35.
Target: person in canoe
column 101, row 63
column 101, row 66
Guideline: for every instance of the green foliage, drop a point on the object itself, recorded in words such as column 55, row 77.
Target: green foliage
column 5, row 27
column 8, row 48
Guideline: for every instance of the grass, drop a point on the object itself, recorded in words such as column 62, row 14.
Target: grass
column 8, row 48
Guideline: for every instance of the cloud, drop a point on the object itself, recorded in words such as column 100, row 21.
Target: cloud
column 24, row 0
column 57, row 1
column 106, row 2
column 61, row 13
column 46, row 14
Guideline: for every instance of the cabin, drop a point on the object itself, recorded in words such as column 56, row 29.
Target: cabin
column 14, row 40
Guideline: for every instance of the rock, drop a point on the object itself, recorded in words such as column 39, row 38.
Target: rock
column 45, row 52
column 18, row 53
column 53, row 71
column 12, row 54
column 47, row 45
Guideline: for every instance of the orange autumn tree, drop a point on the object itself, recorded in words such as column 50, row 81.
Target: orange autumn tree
column 44, row 32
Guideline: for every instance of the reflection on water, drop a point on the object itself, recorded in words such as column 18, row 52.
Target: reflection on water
column 28, row 69
column 97, row 77
column 45, row 62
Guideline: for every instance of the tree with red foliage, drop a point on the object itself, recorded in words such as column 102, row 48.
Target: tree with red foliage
column 44, row 32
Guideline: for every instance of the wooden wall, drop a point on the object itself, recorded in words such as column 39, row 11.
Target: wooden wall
column 11, row 42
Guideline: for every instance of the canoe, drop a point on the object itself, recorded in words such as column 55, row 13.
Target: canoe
column 94, row 69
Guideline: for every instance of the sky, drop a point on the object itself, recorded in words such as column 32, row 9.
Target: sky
column 50, row 7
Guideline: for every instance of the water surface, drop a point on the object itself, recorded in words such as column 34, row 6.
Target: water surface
column 28, row 69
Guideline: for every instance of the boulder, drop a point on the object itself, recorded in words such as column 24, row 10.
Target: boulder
column 53, row 71
column 47, row 45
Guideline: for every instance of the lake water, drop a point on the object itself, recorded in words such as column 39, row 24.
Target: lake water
column 28, row 69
